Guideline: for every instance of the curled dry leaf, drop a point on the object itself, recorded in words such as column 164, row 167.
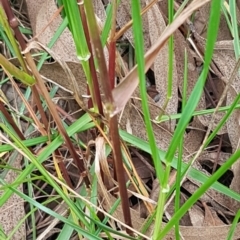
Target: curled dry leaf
column 132, row 115
column 130, row 82
column 101, row 163
column 108, row 179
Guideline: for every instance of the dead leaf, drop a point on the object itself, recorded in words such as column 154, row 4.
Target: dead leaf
column 188, row 232
column 211, row 218
column 124, row 16
column 225, row 60
column 196, row 215
column 40, row 13
column 101, row 163
column 56, row 74
column 194, row 138
column 13, row 210
column 130, row 82
column 156, row 28
column 185, row 220
column 209, row 158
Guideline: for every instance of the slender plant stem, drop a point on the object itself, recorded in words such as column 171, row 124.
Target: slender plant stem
column 91, row 60
column 112, row 45
column 109, row 108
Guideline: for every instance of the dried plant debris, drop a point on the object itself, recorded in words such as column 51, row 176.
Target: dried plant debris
column 12, row 212
column 213, row 213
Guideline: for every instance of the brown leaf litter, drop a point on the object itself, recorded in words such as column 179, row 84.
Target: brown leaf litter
column 213, row 213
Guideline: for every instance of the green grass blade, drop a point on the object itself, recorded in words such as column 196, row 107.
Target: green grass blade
column 234, row 226
column 188, row 111
column 8, row 30
column 197, row 91
column 19, row 146
column 165, row 118
column 76, row 27
column 16, row 72
column 66, row 231
column 138, row 41
column 193, row 173
column 75, row 127
column 28, row 143
column 52, row 213
column 199, row 192
column 5, row 39
column 233, row 14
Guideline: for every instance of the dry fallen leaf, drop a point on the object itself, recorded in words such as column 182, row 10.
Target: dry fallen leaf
column 188, row 232
column 124, row 16
column 211, row 218
column 225, row 60
column 130, row 82
column 40, row 13
column 194, row 138
column 13, row 210
column 196, row 215
column 156, row 28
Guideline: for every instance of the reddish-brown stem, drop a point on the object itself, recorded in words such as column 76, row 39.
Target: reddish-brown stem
column 90, row 102
column 111, row 70
column 91, row 60
column 112, row 46
column 63, row 169
column 10, row 120
column 39, row 106
column 113, row 122
column 14, row 24
column 113, row 126
column 56, row 117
